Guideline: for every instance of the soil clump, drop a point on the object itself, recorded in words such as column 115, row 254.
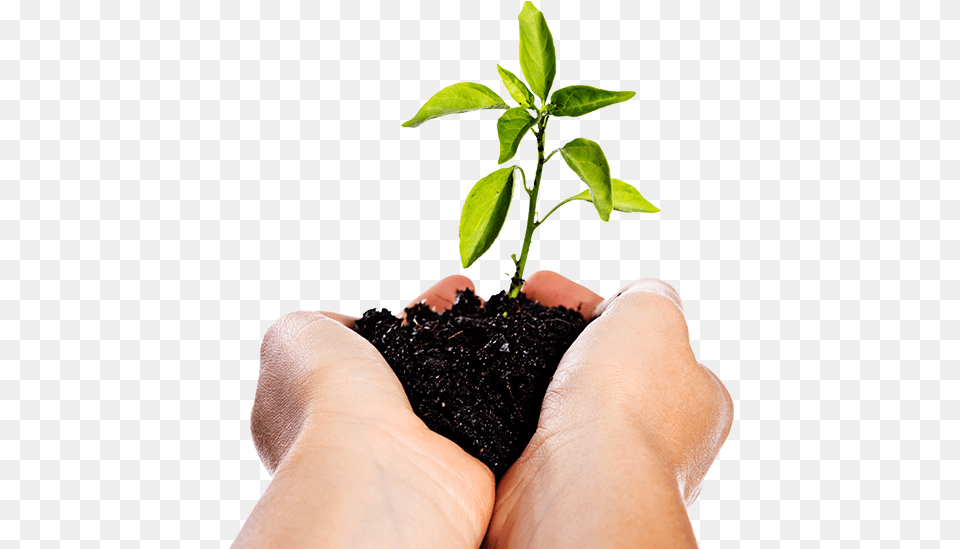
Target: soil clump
column 473, row 374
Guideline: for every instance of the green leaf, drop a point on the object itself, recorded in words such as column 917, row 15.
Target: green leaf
column 626, row 198
column 484, row 212
column 579, row 100
column 518, row 90
column 511, row 128
column 538, row 58
column 461, row 97
column 586, row 159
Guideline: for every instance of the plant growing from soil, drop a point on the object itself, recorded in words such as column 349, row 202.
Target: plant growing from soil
column 485, row 209
column 477, row 372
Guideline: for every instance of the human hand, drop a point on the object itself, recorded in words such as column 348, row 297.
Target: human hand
column 630, row 424
column 351, row 461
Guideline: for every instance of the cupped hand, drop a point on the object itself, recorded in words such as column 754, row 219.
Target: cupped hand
column 630, row 424
column 351, row 461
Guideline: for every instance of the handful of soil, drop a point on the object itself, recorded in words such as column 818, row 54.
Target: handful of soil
column 473, row 374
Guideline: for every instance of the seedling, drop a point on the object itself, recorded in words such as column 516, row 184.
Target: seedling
column 486, row 207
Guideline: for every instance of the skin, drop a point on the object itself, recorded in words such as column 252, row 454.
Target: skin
column 630, row 424
column 629, row 427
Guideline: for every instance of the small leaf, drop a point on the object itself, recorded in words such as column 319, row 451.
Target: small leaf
column 626, row 198
column 579, row 100
column 461, row 97
column 518, row 90
column 511, row 128
column 484, row 212
column 538, row 58
column 586, row 159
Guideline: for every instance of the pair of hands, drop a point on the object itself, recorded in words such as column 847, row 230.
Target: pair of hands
column 630, row 424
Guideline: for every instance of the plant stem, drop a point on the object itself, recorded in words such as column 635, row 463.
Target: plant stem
column 517, row 281
column 544, row 218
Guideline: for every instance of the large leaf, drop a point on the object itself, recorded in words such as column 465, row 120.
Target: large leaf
column 538, row 58
column 626, row 198
column 461, row 97
column 586, row 159
column 484, row 212
column 511, row 128
column 579, row 100
column 518, row 90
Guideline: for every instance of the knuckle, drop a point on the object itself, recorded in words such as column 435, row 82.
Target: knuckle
column 291, row 323
column 655, row 287
column 284, row 330
column 661, row 292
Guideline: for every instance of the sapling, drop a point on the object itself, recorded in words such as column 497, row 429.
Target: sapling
column 487, row 204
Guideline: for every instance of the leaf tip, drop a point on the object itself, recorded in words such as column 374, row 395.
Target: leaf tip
column 465, row 259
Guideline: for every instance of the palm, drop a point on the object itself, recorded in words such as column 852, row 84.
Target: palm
column 461, row 486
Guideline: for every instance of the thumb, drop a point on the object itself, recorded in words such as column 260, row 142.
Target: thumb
column 311, row 363
column 637, row 343
column 648, row 286
column 644, row 318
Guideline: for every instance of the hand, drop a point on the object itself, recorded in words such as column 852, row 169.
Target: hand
column 630, row 424
column 352, row 463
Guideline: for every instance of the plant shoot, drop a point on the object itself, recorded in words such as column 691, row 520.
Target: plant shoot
column 487, row 204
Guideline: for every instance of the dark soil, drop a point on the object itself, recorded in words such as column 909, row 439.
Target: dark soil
column 473, row 375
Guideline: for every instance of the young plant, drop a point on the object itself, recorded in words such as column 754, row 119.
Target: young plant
column 486, row 207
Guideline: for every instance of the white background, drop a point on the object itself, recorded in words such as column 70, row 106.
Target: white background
column 175, row 176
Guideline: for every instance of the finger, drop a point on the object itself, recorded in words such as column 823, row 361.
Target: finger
column 346, row 320
column 637, row 342
column 441, row 295
column 300, row 342
column 553, row 290
column 645, row 315
column 646, row 286
column 304, row 344
column 297, row 351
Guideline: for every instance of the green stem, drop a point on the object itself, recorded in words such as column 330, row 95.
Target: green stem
column 538, row 223
column 524, row 178
column 517, row 281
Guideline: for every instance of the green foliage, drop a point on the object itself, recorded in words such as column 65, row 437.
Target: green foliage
column 579, row 100
column 462, row 97
column 512, row 126
column 484, row 212
column 518, row 90
column 626, row 198
column 538, row 58
column 486, row 207
column 587, row 160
